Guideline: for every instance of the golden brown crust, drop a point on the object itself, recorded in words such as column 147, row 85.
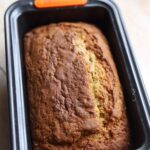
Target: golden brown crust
column 75, row 97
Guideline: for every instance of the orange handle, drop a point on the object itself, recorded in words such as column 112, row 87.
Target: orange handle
column 58, row 3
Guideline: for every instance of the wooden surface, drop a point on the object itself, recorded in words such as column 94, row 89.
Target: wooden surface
column 136, row 14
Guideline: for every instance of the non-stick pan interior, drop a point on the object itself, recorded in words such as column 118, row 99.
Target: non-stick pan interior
column 102, row 18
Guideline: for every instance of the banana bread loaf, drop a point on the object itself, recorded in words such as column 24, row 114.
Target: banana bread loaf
column 75, row 97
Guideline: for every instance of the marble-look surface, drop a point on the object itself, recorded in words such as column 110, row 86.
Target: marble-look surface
column 136, row 14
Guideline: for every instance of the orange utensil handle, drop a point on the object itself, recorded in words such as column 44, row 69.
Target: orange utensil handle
column 58, row 3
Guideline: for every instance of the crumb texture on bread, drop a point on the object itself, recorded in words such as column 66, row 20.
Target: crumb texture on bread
column 75, row 97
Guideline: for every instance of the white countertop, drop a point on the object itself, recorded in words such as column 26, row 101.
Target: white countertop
column 136, row 14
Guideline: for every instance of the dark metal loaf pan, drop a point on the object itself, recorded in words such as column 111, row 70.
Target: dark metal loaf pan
column 22, row 16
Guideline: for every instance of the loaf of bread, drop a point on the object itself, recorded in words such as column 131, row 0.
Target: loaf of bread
column 74, row 93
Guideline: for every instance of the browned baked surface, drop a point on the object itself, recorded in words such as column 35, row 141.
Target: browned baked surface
column 75, row 98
